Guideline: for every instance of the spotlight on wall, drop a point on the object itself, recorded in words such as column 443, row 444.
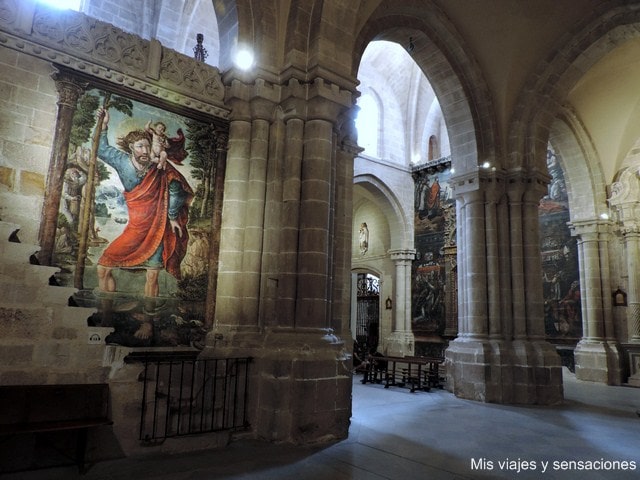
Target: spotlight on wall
column 604, row 216
column 244, row 59
column 411, row 46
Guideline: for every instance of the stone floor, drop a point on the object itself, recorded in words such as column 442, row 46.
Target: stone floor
column 399, row 435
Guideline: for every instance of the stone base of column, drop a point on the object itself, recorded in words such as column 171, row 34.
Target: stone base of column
column 401, row 344
column 633, row 356
column 598, row 361
column 300, row 383
column 634, row 380
column 537, row 373
column 496, row 371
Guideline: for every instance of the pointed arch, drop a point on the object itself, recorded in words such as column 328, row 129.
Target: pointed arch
column 400, row 227
column 580, row 165
column 439, row 48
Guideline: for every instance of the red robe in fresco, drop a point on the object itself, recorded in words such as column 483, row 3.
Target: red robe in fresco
column 148, row 225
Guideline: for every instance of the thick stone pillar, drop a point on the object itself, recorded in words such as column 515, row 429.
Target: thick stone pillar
column 500, row 354
column 283, row 264
column 304, row 358
column 402, row 341
column 597, row 355
column 234, row 323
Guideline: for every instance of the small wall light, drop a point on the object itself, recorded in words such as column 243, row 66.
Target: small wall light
column 388, row 303
column 619, row 298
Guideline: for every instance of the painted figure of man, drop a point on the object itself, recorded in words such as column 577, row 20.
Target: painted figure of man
column 158, row 198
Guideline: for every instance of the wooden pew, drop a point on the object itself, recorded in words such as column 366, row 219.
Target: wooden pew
column 47, row 408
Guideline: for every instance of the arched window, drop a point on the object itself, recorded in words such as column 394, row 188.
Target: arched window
column 368, row 125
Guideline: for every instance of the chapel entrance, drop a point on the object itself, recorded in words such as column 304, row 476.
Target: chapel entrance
column 368, row 311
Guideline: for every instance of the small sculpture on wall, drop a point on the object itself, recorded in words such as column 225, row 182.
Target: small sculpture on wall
column 363, row 237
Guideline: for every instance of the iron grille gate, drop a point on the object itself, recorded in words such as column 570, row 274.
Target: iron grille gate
column 188, row 397
column 368, row 308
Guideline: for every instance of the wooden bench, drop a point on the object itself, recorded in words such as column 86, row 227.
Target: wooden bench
column 47, row 408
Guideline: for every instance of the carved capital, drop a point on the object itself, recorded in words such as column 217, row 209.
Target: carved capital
column 402, row 255
column 69, row 89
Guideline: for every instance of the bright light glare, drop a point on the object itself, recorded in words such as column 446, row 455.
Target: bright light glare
column 486, row 165
column 63, row 4
column 244, row 59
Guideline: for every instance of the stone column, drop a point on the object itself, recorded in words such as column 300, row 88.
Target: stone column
column 402, row 341
column 254, row 226
column 597, row 356
column 475, row 283
column 69, row 90
column 515, row 192
column 467, row 357
column 492, row 232
column 233, row 328
column 347, row 151
column 537, row 369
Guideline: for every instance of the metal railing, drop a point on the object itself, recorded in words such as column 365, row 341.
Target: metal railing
column 188, row 397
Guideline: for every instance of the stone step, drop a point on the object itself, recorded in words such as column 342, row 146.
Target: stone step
column 29, row 322
column 33, row 293
column 6, row 229
column 25, row 274
column 11, row 252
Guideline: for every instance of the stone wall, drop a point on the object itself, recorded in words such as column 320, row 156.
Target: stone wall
column 27, row 121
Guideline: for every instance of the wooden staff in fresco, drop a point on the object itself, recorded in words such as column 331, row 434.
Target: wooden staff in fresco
column 89, row 200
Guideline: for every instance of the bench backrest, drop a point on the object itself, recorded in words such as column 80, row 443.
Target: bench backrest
column 23, row 404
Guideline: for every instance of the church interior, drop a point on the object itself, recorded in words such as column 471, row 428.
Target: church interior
column 212, row 210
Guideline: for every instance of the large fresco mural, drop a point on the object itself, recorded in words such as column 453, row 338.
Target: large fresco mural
column 434, row 225
column 134, row 230
column 561, row 278
column 433, row 274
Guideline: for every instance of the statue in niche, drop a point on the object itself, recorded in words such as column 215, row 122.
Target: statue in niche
column 363, row 236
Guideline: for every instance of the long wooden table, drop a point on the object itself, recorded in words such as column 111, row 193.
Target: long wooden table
column 419, row 373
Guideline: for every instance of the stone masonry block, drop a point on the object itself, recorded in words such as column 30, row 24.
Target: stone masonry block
column 13, row 355
column 21, row 323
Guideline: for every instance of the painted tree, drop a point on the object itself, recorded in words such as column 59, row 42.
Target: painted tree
column 86, row 227
column 202, row 152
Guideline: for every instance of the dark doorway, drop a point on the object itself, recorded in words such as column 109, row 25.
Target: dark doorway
column 368, row 315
